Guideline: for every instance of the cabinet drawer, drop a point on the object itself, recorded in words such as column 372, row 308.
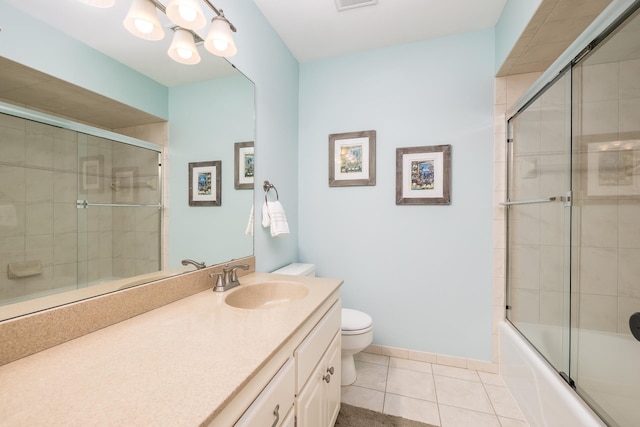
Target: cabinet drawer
column 313, row 347
column 279, row 393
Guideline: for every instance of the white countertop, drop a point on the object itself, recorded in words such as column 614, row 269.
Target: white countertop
column 176, row 365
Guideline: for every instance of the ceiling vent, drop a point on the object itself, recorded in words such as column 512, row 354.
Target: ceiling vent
column 351, row 4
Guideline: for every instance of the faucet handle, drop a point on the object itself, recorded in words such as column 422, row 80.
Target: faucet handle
column 234, row 274
column 219, row 281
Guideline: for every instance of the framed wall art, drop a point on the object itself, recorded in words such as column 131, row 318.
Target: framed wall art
column 423, row 175
column 243, row 166
column 613, row 169
column 352, row 159
column 204, row 183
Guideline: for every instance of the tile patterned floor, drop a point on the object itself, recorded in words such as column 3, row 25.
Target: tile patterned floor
column 435, row 394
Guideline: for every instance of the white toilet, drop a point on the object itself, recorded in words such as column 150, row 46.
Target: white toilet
column 357, row 327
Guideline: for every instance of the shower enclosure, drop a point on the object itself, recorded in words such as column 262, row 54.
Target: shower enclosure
column 77, row 207
column 573, row 222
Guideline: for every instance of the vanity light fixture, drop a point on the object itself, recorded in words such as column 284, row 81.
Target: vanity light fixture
column 142, row 21
column 183, row 47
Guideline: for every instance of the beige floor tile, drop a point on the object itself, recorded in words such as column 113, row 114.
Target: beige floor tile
column 508, row 422
column 378, row 359
column 411, row 384
column 493, row 379
column 412, row 409
column 458, row 417
column 503, row 403
column 370, row 375
column 452, row 372
column 410, row 365
column 363, row 398
column 462, row 394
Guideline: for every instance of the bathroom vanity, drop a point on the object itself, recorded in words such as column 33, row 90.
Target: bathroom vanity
column 262, row 358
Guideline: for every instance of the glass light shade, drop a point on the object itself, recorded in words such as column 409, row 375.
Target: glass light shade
column 186, row 14
column 99, row 3
column 142, row 20
column 183, row 48
column 219, row 41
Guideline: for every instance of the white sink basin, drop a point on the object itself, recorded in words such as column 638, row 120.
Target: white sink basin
column 266, row 294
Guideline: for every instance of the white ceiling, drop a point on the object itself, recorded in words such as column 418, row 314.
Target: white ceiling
column 312, row 29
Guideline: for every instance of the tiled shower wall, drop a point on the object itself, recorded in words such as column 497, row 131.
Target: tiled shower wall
column 39, row 220
column 608, row 213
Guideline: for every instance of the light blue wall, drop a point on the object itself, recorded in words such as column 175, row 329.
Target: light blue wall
column 422, row 272
column 207, row 118
column 265, row 59
column 36, row 45
column 515, row 17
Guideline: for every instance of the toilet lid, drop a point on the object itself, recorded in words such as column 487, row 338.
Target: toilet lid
column 354, row 320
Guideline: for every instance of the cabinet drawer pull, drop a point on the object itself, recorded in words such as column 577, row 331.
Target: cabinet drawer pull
column 330, row 370
column 327, row 378
column 276, row 412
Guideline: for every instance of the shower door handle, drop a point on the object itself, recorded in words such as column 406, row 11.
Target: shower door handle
column 566, row 199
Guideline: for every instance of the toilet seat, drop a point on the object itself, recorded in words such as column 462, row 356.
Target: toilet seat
column 355, row 322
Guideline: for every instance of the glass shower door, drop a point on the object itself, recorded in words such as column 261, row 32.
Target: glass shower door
column 539, row 222
column 606, row 259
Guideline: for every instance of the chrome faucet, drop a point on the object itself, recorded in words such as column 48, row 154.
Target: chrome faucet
column 198, row 265
column 228, row 278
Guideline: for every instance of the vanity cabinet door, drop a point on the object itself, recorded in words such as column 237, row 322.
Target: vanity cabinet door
column 274, row 402
column 318, row 403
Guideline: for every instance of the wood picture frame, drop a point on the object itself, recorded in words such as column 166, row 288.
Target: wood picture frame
column 423, row 175
column 205, row 183
column 352, row 159
column 243, row 165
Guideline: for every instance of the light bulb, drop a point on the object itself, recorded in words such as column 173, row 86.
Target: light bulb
column 220, row 44
column 143, row 26
column 188, row 13
column 184, row 53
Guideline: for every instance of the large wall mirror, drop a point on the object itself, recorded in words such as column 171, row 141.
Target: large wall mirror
column 124, row 163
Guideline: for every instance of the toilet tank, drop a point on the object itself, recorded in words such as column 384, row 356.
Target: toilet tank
column 297, row 269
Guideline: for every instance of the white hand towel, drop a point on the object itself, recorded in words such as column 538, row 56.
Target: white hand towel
column 249, row 229
column 273, row 215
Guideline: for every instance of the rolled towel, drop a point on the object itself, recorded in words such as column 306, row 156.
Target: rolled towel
column 273, row 215
column 249, row 229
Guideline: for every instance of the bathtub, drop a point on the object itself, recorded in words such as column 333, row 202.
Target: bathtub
column 544, row 398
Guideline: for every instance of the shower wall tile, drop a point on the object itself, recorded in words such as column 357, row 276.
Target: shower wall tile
column 599, row 118
column 12, row 184
column 40, row 247
column 65, row 151
column 40, row 283
column 65, row 248
column 629, row 226
column 598, row 271
column 599, row 226
column 600, row 82
column 39, row 185
column 65, row 187
column 552, row 224
column 12, row 149
column 65, row 218
column 552, row 308
column 598, row 312
column 525, row 305
column 39, row 145
column 525, row 228
column 525, row 268
column 552, row 268
column 629, row 273
column 39, row 218
column 14, row 224
column 629, row 84
column 629, row 113
column 65, row 274
column 626, row 307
